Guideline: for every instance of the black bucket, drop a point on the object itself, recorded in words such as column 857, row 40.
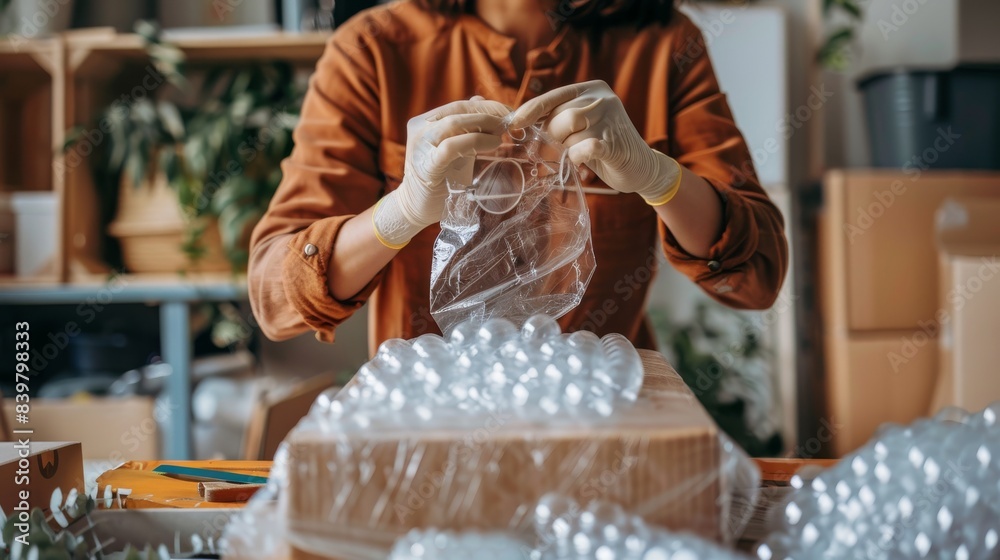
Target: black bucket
column 934, row 119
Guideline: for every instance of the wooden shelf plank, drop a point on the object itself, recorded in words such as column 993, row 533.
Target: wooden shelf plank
column 304, row 47
column 30, row 55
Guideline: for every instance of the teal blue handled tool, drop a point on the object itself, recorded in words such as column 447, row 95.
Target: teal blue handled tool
column 208, row 475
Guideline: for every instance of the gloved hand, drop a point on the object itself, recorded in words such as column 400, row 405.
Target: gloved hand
column 590, row 120
column 439, row 144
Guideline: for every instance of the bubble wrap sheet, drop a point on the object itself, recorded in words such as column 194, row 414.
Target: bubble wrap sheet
column 411, row 444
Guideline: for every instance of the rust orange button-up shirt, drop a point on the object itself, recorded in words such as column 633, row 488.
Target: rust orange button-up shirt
column 396, row 61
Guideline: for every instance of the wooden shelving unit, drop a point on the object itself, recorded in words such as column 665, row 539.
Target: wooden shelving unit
column 78, row 73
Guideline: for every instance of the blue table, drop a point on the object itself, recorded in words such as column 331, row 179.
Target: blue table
column 174, row 295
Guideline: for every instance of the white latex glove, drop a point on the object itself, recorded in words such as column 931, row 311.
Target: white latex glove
column 590, row 120
column 439, row 144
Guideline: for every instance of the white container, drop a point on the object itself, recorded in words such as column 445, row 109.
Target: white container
column 36, row 233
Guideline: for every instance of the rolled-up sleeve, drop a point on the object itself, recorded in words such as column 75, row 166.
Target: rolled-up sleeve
column 331, row 175
column 747, row 264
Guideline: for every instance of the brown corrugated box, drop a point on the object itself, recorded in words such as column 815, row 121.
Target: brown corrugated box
column 38, row 468
column 969, row 257
column 879, row 287
column 676, row 481
column 879, row 231
column 877, row 378
column 276, row 413
column 110, row 429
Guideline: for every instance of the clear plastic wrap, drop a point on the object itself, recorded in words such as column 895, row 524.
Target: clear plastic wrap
column 516, row 241
column 468, row 434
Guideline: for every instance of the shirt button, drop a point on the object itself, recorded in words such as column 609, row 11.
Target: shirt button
column 714, row 266
column 535, row 85
column 310, row 249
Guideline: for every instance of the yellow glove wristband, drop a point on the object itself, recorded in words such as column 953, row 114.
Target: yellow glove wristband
column 670, row 194
column 379, row 235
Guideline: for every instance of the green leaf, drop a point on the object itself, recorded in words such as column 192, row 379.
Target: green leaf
column 8, row 530
column 851, row 7
column 146, row 29
column 171, row 118
column 238, row 190
column 233, row 221
column 834, row 53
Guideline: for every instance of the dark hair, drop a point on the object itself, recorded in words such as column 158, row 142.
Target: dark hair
column 579, row 13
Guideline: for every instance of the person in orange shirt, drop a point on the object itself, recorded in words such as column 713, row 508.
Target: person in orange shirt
column 407, row 91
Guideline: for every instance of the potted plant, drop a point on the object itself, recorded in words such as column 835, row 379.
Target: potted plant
column 721, row 357
column 192, row 178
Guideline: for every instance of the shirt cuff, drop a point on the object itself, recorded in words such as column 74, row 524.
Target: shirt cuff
column 305, row 270
column 737, row 243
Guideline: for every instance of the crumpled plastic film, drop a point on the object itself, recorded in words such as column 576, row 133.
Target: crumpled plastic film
column 467, row 434
column 516, row 241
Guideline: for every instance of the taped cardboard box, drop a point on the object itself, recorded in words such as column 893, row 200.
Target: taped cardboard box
column 38, row 468
column 662, row 458
column 969, row 256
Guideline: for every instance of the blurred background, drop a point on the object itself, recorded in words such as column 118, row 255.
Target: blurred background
column 140, row 142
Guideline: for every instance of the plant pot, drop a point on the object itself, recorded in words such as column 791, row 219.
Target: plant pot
column 934, row 119
column 150, row 226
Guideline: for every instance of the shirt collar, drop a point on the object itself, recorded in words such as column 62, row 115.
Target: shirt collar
column 500, row 45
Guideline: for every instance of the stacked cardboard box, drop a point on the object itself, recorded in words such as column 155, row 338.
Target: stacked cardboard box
column 969, row 256
column 879, row 293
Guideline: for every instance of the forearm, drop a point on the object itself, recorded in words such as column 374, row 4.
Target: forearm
column 694, row 215
column 357, row 257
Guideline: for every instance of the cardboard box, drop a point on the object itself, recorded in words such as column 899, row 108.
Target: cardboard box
column 969, row 243
column 661, row 458
column 277, row 412
column 38, row 470
column 873, row 379
column 879, row 242
column 109, row 429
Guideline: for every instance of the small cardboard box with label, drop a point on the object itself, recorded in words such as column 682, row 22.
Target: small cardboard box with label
column 32, row 470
